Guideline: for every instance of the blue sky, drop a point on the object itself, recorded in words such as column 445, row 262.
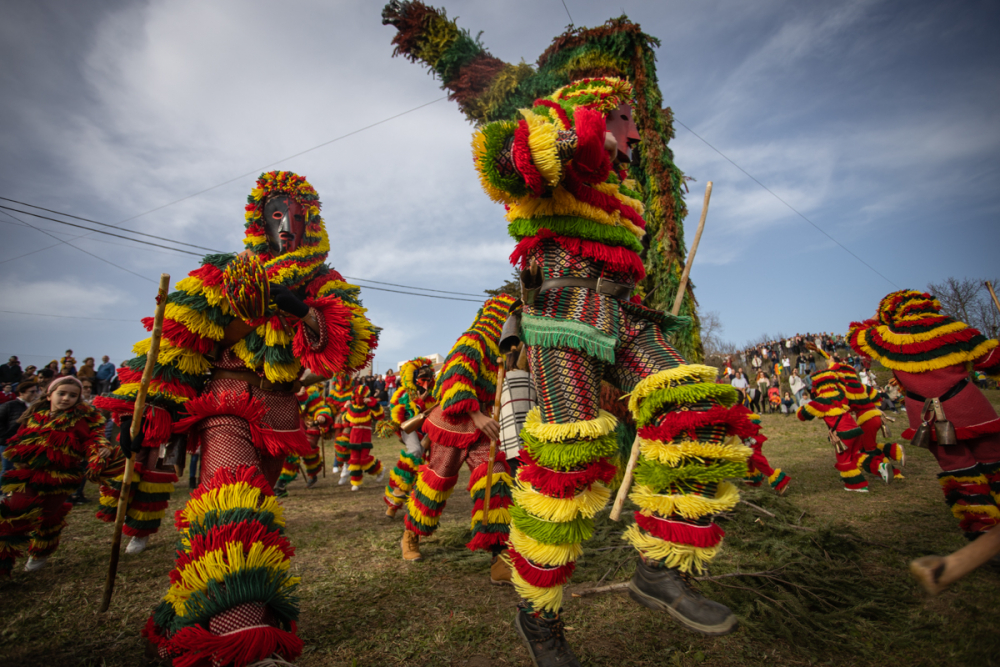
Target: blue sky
column 877, row 120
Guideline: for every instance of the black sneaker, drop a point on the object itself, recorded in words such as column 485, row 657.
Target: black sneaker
column 666, row 589
column 545, row 640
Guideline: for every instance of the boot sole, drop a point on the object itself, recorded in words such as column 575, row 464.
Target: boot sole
column 724, row 628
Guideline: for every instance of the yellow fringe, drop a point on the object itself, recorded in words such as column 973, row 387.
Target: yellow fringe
column 195, row 321
column 870, row 414
column 670, row 453
column 154, row 390
column 672, row 377
column 245, row 355
column 273, row 334
column 186, row 360
column 542, row 599
column 478, row 155
column 282, row 372
column 499, row 515
column 428, row 492
column 891, row 336
column 684, row 557
column 542, row 137
column 772, row 478
column 232, row 496
column 140, row 515
column 560, row 510
column 501, row 477
column 549, row 555
column 586, row 430
column 727, row 496
column 563, row 203
column 924, row 366
column 989, row 510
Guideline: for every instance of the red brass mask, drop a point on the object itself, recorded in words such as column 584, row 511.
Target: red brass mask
column 285, row 223
column 620, row 124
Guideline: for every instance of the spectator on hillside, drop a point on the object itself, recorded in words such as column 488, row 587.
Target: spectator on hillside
column 11, row 411
column 105, row 374
column 773, row 399
column 390, row 381
column 786, row 365
column 762, row 382
column 797, row 385
column 45, row 378
column 87, row 371
column 7, row 394
column 11, row 371
column 740, row 384
column 787, row 404
column 30, row 373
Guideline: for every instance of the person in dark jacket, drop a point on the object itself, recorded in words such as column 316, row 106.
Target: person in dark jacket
column 105, row 374
column 10, row 372
column 11, row 411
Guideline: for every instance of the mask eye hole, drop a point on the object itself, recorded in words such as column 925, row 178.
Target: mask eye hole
column 276, row 215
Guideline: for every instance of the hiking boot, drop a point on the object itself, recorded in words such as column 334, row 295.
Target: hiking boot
column 311, row 482
column 667, row 589
column 390, row 511
column 544, row 640
column 281, row 489
column 500, row 573
column 410, row 544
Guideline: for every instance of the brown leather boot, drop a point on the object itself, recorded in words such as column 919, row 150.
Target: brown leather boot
column 500, row 573
column 390, row 511
column 411, row 546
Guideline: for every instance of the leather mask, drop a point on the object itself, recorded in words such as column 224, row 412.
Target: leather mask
column 285, row 224
column 620, row 124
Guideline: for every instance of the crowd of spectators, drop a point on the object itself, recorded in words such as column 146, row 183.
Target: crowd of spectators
column 381, row 386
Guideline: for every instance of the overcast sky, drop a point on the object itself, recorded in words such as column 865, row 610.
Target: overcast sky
column 876, row 120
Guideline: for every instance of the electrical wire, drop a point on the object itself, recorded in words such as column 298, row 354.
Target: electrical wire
column 571, row 22
column 138, row 275
column 70, row 317
column 794, row 210
column 425, row 289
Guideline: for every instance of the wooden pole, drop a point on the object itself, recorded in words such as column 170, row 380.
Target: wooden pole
column 140, row 404
column 501, row 372
column 633, row 459
column 993, row 294
column 691, row 253
column 936, row 573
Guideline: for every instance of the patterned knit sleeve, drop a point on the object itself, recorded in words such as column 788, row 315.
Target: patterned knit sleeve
column 196, row 317
column 455, row 389
column 347, row 340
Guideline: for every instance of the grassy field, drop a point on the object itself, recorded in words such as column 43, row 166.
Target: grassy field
column 838, row 592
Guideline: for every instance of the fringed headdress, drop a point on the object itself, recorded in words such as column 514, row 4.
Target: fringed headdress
column 408, row 373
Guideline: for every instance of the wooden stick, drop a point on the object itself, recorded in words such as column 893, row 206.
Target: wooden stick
column 993, row 294
column 936, row 573
column 633, row 459
column 501, row 372
column 140, row 404
column 322, row 453
column 694, row 248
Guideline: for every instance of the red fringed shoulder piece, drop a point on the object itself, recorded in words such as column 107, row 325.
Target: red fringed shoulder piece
column 521, row 153
column 615, row 258
column 328, row 356
column 591, row 163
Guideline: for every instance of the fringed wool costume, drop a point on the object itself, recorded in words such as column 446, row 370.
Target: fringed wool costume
column 466, row 384
column 406, row 403
column 48, row 454
column 341, row 389
column 363, row 410
column 318, row 421
column 829, row 402
column 540, row 151
column 758, row 467
column 231, row 600
column 931, row 355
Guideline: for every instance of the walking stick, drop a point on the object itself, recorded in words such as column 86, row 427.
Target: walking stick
column 322, row 454
column 140, row 404
column 501, row 371
column 993, row 294
column 616, row 509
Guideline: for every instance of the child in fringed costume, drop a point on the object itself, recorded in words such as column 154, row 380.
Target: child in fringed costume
column 460, row 430
column 931, row 356
column 758, row 467
column 554, row 147
column 239, row 332
column 363, row 410
column 318, row 420
column 58, row 436
column 341, row 388
column 416, row 378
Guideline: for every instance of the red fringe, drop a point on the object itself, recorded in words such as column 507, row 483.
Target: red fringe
column 152, row 633
column 480, row 470
column 536, row 575
column 496, row 502
column 591, row 163
column 560, row 112
column 180, row 336
column 245, row 532
column 557, row 484
column 486, row 541
column 435, row 481
column 335, row 319
column 673, row 424
column 209, row 274
column 451, row 438
column 426, row 511
column 250, row 409
column 680, row 533
column 225, row 477
column 615, row 258
column 197, row 647
column 521, row 153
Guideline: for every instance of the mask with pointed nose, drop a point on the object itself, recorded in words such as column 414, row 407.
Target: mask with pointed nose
column 284, row 223
column 619, row 123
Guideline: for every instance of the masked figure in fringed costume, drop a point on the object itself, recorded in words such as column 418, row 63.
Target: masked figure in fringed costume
column 554, row 148
column 758, row 467
column 413, row 397
column 318, row 421
column 460, row 430
column 931, row 355
column 363, row 410
column 251, row 324
column 341, row 388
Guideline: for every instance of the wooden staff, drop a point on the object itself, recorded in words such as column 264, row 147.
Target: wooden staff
column 936, row 573
column 633, row 459
column 993, row 294
column 140, row 404
column 501, row 371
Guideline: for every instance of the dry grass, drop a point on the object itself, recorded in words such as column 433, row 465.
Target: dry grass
column 361, row 605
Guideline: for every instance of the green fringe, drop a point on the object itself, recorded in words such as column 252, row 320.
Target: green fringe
column 659, row 476
column 219, row 260
column 581, row 228
column 572, row 532
column 569, row 455
column 253, row 585
column 550, row 332
column 651, row 406
column 496, row 135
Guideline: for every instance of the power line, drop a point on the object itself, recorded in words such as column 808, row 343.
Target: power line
column 69, row 317
column 429, row 296
column 571, row 21
column 103, row 224
column 425, row 289
column 101, row 231
column 794, row 210
column 78, row 248
column 260, row 169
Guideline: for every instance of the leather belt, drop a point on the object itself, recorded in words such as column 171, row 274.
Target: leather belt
column 951, row 393
column 599, row 285
column 255, row 380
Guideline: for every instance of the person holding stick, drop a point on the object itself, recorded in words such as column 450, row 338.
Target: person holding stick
column 461, row 430
column 412, row 399
column 318, row 420
column 241, row 334
column 58, row 435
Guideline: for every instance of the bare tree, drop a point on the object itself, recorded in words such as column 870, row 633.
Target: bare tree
column 968, row 301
